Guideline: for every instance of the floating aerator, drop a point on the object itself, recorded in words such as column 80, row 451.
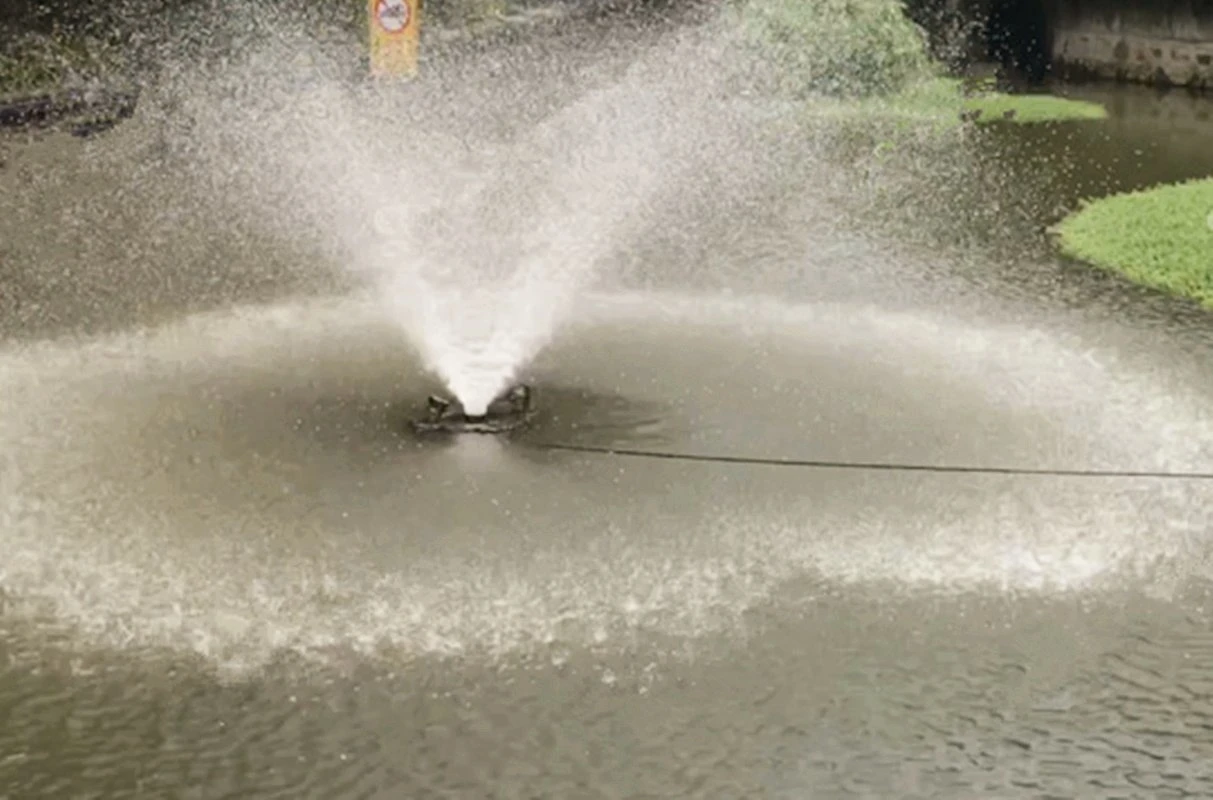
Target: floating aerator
column 507, row 413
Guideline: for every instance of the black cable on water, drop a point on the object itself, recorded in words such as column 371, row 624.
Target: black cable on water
column 871, row 465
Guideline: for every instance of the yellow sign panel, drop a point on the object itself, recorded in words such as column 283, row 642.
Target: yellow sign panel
column 395, row 36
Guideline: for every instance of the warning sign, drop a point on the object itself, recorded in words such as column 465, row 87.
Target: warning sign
column 392, row 15
column 395, row 35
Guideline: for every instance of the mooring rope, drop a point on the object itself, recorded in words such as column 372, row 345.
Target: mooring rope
column 870, row 466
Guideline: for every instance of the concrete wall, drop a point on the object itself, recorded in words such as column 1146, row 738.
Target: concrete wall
column 1168, row 42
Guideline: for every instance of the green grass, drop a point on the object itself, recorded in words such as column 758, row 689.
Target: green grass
column 1028, row 108
column 1160, row 237
column 941, row 103
column 933, row 103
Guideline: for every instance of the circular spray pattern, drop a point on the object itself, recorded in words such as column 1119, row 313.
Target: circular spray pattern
column 252, row 489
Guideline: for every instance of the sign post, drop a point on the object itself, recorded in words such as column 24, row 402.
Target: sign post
column 395, row 31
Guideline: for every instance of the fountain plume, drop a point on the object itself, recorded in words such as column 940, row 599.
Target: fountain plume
column 477, row 241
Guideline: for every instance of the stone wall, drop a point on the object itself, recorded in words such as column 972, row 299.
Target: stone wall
column 1167, row 42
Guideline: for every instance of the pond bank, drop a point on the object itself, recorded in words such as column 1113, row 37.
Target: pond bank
column 1160, row 237
column 84, row 112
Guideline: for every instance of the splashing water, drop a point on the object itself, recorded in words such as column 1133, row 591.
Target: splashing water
column 477, row 241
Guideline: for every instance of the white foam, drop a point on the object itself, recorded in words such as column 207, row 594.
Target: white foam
column 154, row 493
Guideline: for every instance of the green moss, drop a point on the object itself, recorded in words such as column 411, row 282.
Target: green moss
column 1160, row 237
column 1027, row 108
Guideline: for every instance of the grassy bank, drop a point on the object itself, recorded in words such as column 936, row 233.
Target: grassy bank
column 942, row 102
column 867, row 58
column 1029, row 108
column 1160, row 237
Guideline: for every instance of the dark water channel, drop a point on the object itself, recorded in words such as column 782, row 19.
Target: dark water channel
column 226, row 571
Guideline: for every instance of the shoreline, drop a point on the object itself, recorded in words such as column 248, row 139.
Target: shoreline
column 1160, row 237
column 85, row 111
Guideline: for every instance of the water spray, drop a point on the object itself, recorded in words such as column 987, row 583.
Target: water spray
column 477, row 240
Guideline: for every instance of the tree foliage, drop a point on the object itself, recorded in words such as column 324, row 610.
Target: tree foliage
column 842, row 48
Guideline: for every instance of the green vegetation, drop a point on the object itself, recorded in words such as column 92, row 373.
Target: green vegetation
column 1160, row 237
column 933, row 103
column 1028, row 108
column 837, row 48
column 859, row 70
column 32, row 63
column 941, row 103
column 866, row 58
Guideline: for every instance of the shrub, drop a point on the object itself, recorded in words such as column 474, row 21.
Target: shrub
column 851, row 48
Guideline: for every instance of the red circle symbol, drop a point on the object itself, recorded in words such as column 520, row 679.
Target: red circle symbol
column 393, row 16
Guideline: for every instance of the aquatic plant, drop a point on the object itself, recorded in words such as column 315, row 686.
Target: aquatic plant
column 1160, row 237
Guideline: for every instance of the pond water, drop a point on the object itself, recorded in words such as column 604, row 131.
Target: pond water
column 228, row 570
